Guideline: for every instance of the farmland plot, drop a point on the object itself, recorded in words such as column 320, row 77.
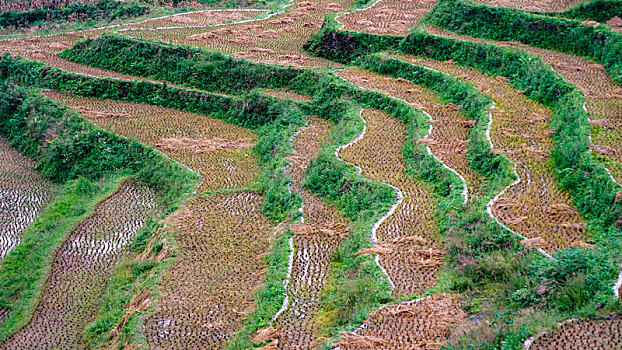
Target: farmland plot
column 535, row 207
column 393, row 17
column 222, row 238
column 199, row 18
column 53, row 60
column 590, row 334
column 23, row 194
column 52, row 43
column 420, row 324
column 315, row 241
column 288, row 94
column 222, row 241
column 604, row 96
column 408, row 241
column 534, row 5
column 79, row 271
column 276, row 39
column 450, row 129
column 221, row 153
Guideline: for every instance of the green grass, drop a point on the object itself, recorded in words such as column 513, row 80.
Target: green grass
column 270, row 298
column 24, row 271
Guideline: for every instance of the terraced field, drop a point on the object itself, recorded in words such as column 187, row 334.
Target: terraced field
column 407, row 242
column 23, row 194
column 449, row 137
column 222, row 237
column 603, row 95
column 74, row 288
column 539, row 5
column 599, row 334
column 275, row 39
column 251, row 246
column 206, row 293
column 526, row 141
column 387, row 17
column 219, row 152
column 321, row 230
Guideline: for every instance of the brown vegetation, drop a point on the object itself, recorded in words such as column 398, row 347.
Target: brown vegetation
column 221, row 153
column 387, row 17
column 24, row 193
column 590, row 334
column 315, row 241
column 414, row 217
column 535, row 207
column 450, row 133
column 78, row 274
column 422, row 324
column 221, row 244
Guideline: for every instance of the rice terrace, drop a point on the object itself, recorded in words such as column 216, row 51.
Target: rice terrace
column 311, row 174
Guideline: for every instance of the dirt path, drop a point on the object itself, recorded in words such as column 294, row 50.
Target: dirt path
column 533, row 207
column 23, row 194
column 79, row 271
column 315, row 240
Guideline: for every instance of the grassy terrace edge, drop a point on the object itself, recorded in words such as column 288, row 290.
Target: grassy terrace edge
column 90, row 163
column 486, row 240
column 333, row 99
column 594, row 195
column 583, row 176
column 600, row 44
column 272, row 118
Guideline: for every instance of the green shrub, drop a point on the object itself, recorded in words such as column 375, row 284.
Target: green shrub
column 510, row 24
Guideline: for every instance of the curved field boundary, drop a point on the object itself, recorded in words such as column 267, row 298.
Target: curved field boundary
column 277, row 39
column 23, row 194
column 353, row 11
column 315, row 239
column 365, row 325
column 129, row 24
column 209, row 25
column 220, row 152
column 533, row 179
column 424, row 100
column 392, row 17
column 465, row 191
column 423, row 323
column 77, row 281
column 600, row 334
column 207, row 227
column 603, row 95
column 400, row 197
column 489, row 122
column 530, row 5
column 53, row 60
column 137, row 25
column 410, row 227
column 290, row 243
column 206, row 293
